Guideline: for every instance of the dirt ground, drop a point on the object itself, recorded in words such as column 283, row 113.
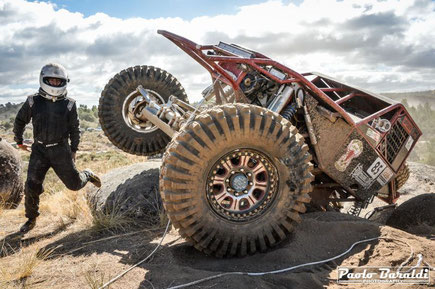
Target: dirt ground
column 85, row 258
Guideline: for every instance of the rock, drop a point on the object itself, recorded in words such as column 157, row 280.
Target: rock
column 382, row 216
column 413, row 213
column 132, row 190
column 11, row 182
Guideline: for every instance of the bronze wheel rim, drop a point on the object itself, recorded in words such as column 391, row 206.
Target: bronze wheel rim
column 242, row 185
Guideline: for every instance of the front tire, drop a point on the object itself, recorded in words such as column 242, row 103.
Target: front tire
column 140, row 139
column 234, row 181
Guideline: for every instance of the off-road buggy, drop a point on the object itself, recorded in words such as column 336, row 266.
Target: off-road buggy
column 265, row 142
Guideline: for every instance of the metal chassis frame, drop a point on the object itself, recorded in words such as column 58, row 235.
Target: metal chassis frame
column 212, row 64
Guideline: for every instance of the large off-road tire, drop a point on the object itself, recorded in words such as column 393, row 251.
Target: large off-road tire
column 402, row 176
column 234, row 181
column 114, row 101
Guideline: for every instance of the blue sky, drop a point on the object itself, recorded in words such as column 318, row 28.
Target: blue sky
column 186, row 9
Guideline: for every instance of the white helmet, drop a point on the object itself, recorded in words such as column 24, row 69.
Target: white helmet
column 53, row 70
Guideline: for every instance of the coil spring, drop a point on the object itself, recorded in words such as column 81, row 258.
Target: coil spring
column 289, row 111
column 356, row 208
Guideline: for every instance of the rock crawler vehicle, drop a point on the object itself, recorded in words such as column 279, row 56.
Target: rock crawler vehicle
column 264, row 144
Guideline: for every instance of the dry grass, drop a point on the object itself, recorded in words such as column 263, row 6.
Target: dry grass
column 67, row 205
column 111, row 221
column 112, row 218
column 59, row 208
column 162, row 218
column 25, row 262
column 95, row 279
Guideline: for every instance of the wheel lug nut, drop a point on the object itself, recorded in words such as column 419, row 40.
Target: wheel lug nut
column 227, row 180
column 210, row 184
column 245, row 191
column 249, row 175
column 251, row 183
column 233, row 172
column 242, row 170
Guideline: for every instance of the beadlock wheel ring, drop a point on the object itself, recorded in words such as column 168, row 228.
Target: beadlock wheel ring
column 242, row 185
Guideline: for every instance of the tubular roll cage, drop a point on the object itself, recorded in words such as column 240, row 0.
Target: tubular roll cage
column 213, row 62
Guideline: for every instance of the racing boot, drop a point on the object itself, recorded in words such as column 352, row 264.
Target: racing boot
column 29, row 225
column 93, row 178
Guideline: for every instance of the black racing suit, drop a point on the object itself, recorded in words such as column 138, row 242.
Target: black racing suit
column 53, row 124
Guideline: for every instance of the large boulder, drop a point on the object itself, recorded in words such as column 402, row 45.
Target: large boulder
column 131, row 190
column 11, row 182
column 415, row 214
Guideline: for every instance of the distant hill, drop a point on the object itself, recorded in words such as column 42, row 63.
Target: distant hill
column 414, row 98
column 9, row 110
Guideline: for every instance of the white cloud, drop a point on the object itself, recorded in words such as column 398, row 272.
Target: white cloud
column 379, row 45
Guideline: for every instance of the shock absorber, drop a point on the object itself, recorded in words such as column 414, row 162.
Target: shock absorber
column 289, row 111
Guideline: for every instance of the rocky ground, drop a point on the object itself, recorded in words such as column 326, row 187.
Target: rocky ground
column 86, row 258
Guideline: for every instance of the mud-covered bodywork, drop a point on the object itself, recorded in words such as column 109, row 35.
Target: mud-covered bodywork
column 365, row 152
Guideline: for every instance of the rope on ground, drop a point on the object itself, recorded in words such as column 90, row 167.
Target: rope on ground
column 297, row 266
column 140, row 262
column 85, row 244
column 408, row 259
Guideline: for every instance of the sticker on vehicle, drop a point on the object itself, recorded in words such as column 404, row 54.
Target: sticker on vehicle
column 354, row 149
column 376, row 168
column 409, row 143
column 374, row 135
column 361, row 177
column 407, row 125
column 385, row 176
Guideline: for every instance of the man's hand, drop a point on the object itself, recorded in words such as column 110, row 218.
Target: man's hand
column 24, row 147
column 73, row 156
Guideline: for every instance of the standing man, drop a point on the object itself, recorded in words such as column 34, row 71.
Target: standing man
column 55, row 120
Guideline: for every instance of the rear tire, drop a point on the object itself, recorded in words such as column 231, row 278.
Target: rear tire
column 112, row 104
column 214, row 211
column 402, row 176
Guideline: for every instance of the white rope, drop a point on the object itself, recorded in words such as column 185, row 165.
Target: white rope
column 261, row 273
column 137, row 264
column 293, row 267
column 407, row 260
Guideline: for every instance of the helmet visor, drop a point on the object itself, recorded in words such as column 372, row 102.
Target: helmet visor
column 54, row 81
